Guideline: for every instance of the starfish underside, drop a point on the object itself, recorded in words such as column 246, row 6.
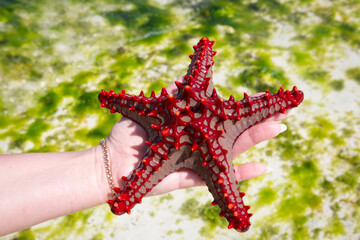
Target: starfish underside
column 194, row 128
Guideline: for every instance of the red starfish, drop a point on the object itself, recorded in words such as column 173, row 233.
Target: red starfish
column 195, row 129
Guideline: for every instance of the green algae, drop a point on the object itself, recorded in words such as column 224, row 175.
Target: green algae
column 141, row 17
column 69, row 89
column 261, row 74
column 189, row 208
column 348, row 179
column 4, row 118
column 87, row 102
column 156, row 87
column 274, row 8
column 98, row 236
column 84, row 77
column 306, row 174
column 318, row 76
column 178, row 47
column 291, row 207
column 335, row 227
column 301, row 57
column 26, row 235
column 70, row 225
column 207, row 213
column 20, row 33
column 266, row 196
column 93, row 135
column 354, row 74
column 301, row 230
column 130, row 37
column 48, row 103
column 323, row 127
column 313, row 200
column 226, row 92
column 289, row 149
column 178, row 231
column 35, row 129
column 166, row 197
column 337, row 85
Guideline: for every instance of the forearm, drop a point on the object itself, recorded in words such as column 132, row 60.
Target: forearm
column 35, row 187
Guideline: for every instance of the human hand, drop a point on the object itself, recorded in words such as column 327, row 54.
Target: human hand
column 126, row 144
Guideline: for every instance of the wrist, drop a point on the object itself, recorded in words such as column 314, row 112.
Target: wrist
column 100, row 173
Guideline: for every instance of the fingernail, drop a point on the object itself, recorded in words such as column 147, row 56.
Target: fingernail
column 268, row 169
column 283, row 128
column 292, row 111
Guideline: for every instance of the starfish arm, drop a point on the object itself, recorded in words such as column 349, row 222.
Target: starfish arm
column 267, row 104
column 224, row 188
column 249, row 111
column 218, row 173
column 157, row 163
column 199, row 73
column 138, row 183
column 147, row 111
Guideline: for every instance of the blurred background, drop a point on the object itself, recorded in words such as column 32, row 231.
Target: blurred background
column 55, row 57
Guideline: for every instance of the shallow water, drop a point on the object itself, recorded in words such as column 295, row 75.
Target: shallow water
column 55, row 56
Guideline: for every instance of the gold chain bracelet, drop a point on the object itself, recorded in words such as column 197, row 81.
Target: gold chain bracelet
column 108, row 167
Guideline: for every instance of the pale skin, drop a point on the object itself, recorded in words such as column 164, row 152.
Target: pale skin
column 36, row 187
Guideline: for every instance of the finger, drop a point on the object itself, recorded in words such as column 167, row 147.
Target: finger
column 187, row 178
column 250, row 170
column 256, row 134
column 177, row 180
